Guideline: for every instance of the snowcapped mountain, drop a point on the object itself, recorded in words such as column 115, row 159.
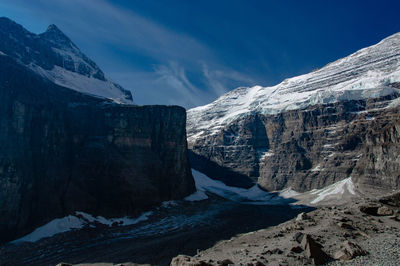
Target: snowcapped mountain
column 55, row 57
column 308, row 131
column 365, row 74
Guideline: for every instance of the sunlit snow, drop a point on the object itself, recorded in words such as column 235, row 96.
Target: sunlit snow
column 365, row 74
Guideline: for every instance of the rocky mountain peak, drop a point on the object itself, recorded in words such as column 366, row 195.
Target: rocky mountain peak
column 55, row 57
column 58, row 38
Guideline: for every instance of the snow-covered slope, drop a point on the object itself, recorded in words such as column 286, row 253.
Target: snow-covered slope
column 335, row 193
column 55, row 57
column 367, row 73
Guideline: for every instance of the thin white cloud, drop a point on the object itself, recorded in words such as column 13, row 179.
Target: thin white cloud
column 98, row 24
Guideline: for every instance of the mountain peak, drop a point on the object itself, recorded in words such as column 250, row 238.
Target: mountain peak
column 54, row 56
column 53, row 28
column 57, row 37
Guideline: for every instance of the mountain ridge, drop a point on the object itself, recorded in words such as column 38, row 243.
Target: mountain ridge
column 308, row 131
column 268, row 100
column 55, row 57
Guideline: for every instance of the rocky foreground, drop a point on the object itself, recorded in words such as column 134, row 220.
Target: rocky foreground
column 363, row 232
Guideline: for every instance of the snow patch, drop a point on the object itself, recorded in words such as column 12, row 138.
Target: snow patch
column 197, row 196
column 334, row 190
column 316, row 168
column 253, row 195
column 265, row 155
column 75, row 222
column 81, row 83
column 288, row 193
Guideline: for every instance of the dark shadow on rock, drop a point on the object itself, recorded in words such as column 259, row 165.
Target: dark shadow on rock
column 215, row 171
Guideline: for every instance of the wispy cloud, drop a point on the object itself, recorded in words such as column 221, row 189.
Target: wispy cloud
column 97, row 25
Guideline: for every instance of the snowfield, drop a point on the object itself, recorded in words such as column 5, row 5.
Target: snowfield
column 81, row 83
column 255, row 195
column 365, row 74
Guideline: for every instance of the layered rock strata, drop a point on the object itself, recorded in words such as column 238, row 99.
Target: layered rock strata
column 308, row 131
column 62, row 151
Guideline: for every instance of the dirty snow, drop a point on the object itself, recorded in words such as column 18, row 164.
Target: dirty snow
column 77, row 221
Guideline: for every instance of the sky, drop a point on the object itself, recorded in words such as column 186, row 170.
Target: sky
column 188, row 53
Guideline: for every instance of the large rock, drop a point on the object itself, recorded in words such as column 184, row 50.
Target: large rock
column 62, row 151
column 314, row 250
column 349, row 251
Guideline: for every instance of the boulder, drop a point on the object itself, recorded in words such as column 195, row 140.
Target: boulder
column 302, row 216
column 296, row 249
column 345, row 226
column 349, row 251
column 314, row 250
column 370, row 209
column 385, row 211
column 298, row 237
column 392, row 200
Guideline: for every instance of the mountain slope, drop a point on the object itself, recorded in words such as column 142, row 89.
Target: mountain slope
column 301, row 132
column 54, row 56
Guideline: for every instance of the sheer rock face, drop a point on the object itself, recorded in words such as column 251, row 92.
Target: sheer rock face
column 309, row 131
column 379, row 166
column 307, row 149
column 62, row 151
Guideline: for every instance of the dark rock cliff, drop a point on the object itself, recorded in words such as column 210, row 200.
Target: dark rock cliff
column 308, row 148
column 62, row 151
column 379, row 166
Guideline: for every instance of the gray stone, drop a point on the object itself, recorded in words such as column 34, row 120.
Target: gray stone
column 302, row 216
column 298, row 237
column 314, row 250
column 296, row 249
column 345, row 226
column 385, row 211
column 350, row 250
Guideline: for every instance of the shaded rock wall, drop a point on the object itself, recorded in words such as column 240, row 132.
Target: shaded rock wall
column 61, row 151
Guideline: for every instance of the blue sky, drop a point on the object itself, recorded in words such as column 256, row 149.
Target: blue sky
column 190, row 52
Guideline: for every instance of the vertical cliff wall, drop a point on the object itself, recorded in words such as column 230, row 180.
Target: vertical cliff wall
column 62, row 151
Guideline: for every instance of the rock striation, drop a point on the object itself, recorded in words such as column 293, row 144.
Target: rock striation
column 309, row 131
column 62, row 151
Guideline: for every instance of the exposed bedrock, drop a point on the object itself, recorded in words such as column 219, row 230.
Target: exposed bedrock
column 62, row 151
column 308, row 148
